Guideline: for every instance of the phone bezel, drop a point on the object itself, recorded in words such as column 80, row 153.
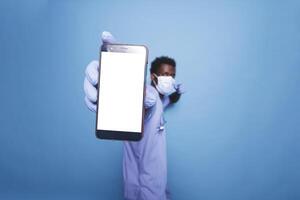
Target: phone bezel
column 121, row 135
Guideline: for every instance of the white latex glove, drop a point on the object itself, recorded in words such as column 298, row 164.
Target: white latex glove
column 180, row 88
column 92, row 76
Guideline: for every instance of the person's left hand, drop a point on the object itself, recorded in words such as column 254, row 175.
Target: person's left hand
column 180, row 88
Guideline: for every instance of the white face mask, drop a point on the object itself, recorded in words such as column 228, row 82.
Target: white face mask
column 165, row 85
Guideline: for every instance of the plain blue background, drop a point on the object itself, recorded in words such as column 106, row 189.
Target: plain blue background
column 234, row 135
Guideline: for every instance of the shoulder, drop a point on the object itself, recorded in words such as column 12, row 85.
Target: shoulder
column 151, row 95
column 151, row 90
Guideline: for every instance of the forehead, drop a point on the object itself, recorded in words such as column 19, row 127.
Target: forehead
column 166, row 69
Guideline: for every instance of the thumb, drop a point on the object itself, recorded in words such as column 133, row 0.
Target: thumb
column 107, row 38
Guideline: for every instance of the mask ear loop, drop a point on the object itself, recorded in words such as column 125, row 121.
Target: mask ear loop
column 156, row 79
column 156, row 84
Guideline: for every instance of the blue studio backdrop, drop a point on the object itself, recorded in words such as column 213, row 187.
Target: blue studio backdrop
column 234, row 135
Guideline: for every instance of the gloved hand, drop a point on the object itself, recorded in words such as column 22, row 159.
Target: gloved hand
column 180, row 88
column 92, row 76
column 175, row 96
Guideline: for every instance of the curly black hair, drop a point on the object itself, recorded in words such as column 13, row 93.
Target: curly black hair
column 158, row 61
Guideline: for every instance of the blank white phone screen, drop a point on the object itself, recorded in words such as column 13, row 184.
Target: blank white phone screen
column 121, row 88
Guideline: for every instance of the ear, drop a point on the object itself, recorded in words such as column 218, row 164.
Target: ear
column 153, row 78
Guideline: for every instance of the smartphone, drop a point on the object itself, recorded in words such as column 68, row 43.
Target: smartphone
column 121, row 92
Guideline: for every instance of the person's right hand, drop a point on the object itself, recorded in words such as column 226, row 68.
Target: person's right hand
column 92, row 76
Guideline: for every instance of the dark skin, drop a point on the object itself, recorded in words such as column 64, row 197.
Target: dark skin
column 166, row 70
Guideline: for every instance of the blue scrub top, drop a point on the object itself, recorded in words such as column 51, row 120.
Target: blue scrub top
column 145, row 162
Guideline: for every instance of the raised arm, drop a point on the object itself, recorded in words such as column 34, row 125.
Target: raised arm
column 92, row 75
